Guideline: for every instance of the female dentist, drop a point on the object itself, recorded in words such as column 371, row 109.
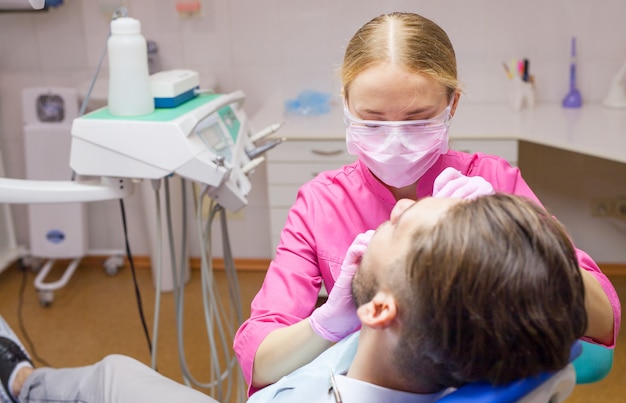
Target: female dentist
column 400, row 93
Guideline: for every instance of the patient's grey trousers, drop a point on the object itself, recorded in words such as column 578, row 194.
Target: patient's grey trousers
column 116, row 378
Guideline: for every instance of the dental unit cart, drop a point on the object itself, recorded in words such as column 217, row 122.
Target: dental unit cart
column 206, row 140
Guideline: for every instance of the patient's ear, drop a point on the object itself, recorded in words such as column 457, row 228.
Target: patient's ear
column 380, row 312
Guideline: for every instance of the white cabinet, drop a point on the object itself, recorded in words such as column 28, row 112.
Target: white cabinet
column 292, row 164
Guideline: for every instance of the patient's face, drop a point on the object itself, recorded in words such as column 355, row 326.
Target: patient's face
column 391, row 241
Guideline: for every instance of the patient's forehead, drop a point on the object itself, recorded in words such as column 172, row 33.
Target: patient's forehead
column 425, row 212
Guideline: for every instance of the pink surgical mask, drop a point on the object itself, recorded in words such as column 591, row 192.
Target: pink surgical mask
column 398, row 152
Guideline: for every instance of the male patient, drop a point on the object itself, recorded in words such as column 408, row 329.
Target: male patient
column 448, row 291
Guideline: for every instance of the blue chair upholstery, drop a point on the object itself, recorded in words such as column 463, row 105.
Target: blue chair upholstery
column 514, row 391
column 593, row 364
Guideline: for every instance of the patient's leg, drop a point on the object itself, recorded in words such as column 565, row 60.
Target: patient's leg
column 116, row 378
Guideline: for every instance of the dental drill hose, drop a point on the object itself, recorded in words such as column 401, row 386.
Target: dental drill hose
column 212, row 307
column 156, row 185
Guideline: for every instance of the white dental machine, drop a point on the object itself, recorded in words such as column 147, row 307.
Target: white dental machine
column 206, row 140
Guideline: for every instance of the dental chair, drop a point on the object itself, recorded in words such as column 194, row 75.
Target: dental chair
column 593, row 364
column 588, row 363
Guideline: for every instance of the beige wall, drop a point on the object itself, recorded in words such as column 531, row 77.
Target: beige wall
column 285, row 46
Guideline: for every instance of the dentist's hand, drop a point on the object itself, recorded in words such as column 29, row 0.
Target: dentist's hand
column 452, row 183
column 337, row 318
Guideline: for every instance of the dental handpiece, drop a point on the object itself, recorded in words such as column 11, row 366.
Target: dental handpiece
column 252, row 154
column 266, row 132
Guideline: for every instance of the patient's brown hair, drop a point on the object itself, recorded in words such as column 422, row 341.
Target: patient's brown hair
column 495, row 294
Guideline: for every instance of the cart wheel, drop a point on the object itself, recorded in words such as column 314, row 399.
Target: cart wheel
column 33, row 263
column 113, row 264
column 45, row 297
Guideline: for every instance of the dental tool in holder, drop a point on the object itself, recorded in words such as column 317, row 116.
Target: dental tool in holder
column 616, row 97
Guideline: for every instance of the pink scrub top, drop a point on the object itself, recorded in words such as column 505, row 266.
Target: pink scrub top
column 328, row 213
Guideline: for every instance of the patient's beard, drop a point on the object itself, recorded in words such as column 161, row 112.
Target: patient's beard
column 364, row 287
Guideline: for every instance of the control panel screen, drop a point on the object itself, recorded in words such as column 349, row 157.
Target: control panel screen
column 214, row 136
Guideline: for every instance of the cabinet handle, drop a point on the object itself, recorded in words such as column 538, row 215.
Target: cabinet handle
column 327, row 153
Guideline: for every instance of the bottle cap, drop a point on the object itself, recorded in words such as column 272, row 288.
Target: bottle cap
column 125, row 25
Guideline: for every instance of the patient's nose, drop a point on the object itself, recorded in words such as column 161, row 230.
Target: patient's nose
column 399, row 208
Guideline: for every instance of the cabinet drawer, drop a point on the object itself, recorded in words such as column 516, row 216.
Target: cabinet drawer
column 302, row 150
column 292, row 164
column 506, row 149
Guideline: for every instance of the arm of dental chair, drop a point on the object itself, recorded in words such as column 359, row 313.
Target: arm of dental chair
column 486, row 393
column 41, row 191
column 593, row 364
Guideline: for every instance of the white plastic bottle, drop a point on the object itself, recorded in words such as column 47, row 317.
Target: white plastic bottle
column 129, row 80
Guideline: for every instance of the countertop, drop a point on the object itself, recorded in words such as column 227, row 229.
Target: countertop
column 592, row 130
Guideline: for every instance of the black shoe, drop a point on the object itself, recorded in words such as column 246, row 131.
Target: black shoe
column 10, row 355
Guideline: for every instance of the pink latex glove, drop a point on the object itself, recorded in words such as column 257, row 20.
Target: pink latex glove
column 452, row 183
column 337, row 318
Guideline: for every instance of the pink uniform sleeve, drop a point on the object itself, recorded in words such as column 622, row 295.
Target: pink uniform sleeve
column 588, row 264
column 291, row 286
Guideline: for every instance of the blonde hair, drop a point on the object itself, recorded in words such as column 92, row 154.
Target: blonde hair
column 407, row 40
